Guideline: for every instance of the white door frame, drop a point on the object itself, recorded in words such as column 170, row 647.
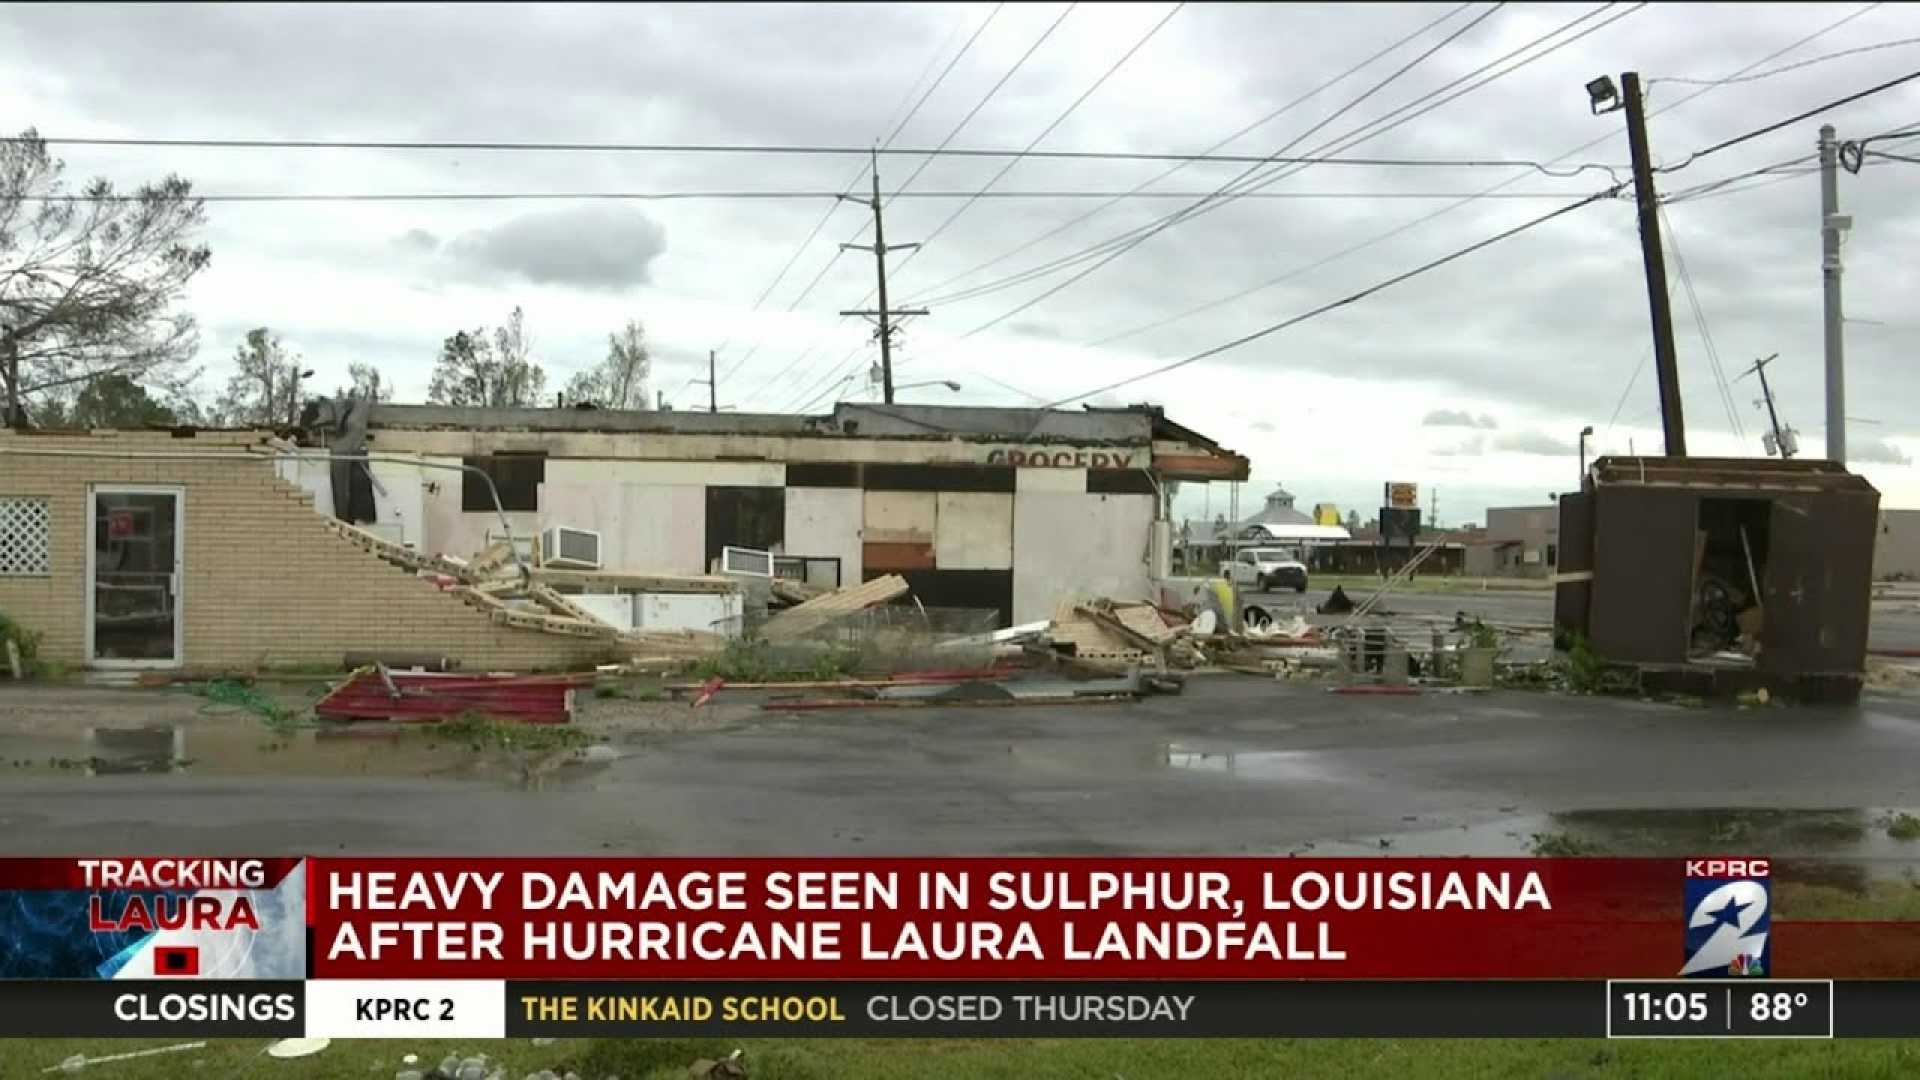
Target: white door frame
column 179, row 494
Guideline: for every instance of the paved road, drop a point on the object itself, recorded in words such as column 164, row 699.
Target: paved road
column 1236, row 764
column 1895, row 622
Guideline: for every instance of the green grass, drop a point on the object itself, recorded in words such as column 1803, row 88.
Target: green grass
column 480, row 732
column 1903, row 826
column 1018, row 1059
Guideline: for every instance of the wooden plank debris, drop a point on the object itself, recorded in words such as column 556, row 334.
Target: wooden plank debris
column 796, row 621
column 608, row 581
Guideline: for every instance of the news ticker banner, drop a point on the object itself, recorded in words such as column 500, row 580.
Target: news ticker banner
column 491, row 1009
column 472, row 934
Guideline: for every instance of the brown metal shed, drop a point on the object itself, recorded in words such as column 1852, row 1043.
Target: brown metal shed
column 1721, row 574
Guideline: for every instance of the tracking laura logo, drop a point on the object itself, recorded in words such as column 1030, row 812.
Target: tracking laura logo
column 1729, row 925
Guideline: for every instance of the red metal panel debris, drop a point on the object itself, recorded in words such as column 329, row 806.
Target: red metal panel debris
column 432, row 696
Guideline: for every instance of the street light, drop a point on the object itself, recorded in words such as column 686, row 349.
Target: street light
column 1602, row 96
column 948, row 383
column 1584, row 432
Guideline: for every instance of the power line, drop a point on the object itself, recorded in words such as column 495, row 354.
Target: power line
column 1120, row 245
column 1108, row 250
column 1131, row 238
column 1202, row 157
column 1048, row 130
column 992, row 91
column 1489, row 192
column 1796, row 118
column 1261, row 122
column 1782, row 70
column 866, row 164
column 1380, row 126
column 672, row 196
column 1700, row 321
column 1345, row 301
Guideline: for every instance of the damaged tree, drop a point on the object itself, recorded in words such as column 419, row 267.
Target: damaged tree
column 89, row 280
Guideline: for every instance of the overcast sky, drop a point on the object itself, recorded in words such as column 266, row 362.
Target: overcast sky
column 1474, row 379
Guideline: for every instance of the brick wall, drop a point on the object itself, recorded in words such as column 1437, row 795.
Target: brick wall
column 265, row 581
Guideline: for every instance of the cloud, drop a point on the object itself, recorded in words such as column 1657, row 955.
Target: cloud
column 1265, row 427
column 1879, row 452
column 417, row 240
column 1458, row 418
column 1533, row 442
column 595, row 247
column 1469, row 448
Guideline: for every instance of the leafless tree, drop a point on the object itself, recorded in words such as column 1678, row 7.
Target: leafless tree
column 264, row 389
column 498, row 373
column 88, row 280
column 619, row 381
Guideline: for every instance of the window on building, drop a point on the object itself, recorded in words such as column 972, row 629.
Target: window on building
column 517, row 477
column 25, row 547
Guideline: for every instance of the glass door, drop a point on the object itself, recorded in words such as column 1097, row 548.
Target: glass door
column 133, row 577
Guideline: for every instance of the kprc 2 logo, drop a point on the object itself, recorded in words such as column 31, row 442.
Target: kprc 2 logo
column 1727, row 920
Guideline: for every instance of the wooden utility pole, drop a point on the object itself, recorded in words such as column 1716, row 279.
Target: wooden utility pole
column 713, row 384
column 1672, row 424
column 884, row 316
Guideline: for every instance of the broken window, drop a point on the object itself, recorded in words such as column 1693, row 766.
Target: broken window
column 1729, row 567
column 517, row 476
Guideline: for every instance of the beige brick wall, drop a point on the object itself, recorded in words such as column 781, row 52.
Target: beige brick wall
column 265, row 581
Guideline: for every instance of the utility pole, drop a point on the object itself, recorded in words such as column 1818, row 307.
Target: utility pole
column 1780, row 439
column 713, row 384
column 1831, row 226
column 884, row 316
column 1672, row 424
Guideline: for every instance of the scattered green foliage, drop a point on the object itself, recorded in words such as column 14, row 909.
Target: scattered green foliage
column 1563, row 844
column 25, row 641
column 1479, row 635
column 751, row 662
column 231, row 693
column 481, row 732
column 1586, row 672
column 1903, row 826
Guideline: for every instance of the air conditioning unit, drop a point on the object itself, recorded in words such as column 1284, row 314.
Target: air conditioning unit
column 572, row 549
column 750, row 562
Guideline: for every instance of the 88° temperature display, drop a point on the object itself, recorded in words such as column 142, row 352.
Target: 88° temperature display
column 1720, row 1008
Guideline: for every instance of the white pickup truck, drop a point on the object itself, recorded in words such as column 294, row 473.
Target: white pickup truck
column 1266, row 569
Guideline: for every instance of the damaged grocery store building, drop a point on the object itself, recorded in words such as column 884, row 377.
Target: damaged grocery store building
column 196, row 548
column 982, row 508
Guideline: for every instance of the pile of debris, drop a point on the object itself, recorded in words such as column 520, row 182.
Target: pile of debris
column 1119, row 635
column 517, row 591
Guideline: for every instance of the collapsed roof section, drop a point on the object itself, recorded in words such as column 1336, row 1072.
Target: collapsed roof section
column 1178, row 452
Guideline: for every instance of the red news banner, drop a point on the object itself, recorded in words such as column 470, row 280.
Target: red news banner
column 1035, row 918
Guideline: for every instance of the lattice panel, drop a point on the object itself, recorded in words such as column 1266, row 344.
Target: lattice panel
column 25, row 547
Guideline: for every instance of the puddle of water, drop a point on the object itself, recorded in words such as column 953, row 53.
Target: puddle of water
column 1844, row 847
column 1286, row 766
column 242, row 748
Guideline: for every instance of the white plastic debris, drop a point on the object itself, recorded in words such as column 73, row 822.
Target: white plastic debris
column 410, row 1059
column 297, row 1048
column 78, row 1062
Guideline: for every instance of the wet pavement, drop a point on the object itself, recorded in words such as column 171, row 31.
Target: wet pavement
column 1234, row 765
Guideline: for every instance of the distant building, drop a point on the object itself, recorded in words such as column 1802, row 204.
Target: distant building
column 1520, row 541
column 1896, row 547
